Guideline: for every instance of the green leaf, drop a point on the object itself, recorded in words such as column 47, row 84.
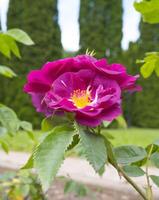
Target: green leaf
column 7, row 176
column 157, row 70
column 75, row 141
column 149, row 10
column 26, row 126
column 29, row 164
column 154, row 149
column 9, row 119
column 140, row 163
column 32, row 136
column 151, row 63
column 133, row 171
column 20, row 36
column 106, row 124
column 6, row 71
column 50, row 154
column 4, row 48
column 138, row 61
column 73, row 187
column 147, row 69
column 156, row 142
column 12, row 45
column 3, row 131
column 155, row 159
column 46, row 124
column 157, row 67
column 129, row 154
column 107, row 134
column 155, row 179
column 94, row 148
column 149, row 148
column 101, row 171
column 4, row 146
column 110, row 152
column 121, row 122
column 25, row 189
column 51, row 122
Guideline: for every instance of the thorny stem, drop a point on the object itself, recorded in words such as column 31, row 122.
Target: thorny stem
column 129, row 180
column 133, row 184
column 149, row 187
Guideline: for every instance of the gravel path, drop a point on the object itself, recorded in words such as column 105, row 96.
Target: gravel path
column 80, row 170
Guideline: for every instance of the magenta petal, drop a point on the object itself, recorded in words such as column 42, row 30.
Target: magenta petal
column 37, row 76
column 111, row 113
column 67, row 106
column 52, row 70
column 37, row 82
column 86, row 121
column 128, row 82
column 85, row 59
column 136, row 88
column 67, row 83
column 52, row 100
column 108, row 115
column 90, row 111
column 55, row 102
column 36, row 87
column 108, row 84
column 101, row 64
column 40, row 105
column 114, row 69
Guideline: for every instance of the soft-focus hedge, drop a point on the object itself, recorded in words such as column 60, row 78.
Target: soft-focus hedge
column 40, row 20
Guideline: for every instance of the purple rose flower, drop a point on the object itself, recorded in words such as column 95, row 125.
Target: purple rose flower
column 83, row 85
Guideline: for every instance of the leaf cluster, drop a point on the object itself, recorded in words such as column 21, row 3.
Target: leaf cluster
column 21, row 185
column 10, row 124
column 149, row 10
column 150, row 64
column 8, row 41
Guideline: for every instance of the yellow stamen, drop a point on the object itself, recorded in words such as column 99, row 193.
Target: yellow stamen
column 81, row 98
column 90, row 53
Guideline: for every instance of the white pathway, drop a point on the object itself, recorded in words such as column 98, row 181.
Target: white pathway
column 80, row 170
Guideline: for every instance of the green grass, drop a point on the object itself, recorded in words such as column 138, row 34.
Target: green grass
column 136, row 136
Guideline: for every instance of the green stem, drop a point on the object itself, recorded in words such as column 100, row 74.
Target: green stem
column 99, row 130
column 129, row 180
column 149, row 187
column 135, row 186
column 113, row 162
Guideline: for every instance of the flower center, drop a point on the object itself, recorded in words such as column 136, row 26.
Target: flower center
column 81, row 98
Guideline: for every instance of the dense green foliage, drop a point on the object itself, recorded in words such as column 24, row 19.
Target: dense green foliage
column 145, row 105
column 101, row 27
column 149, row 10
column 21, row 185
column 39, row 19
column 9, row 122
column 150, row 64
column 141, row 109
